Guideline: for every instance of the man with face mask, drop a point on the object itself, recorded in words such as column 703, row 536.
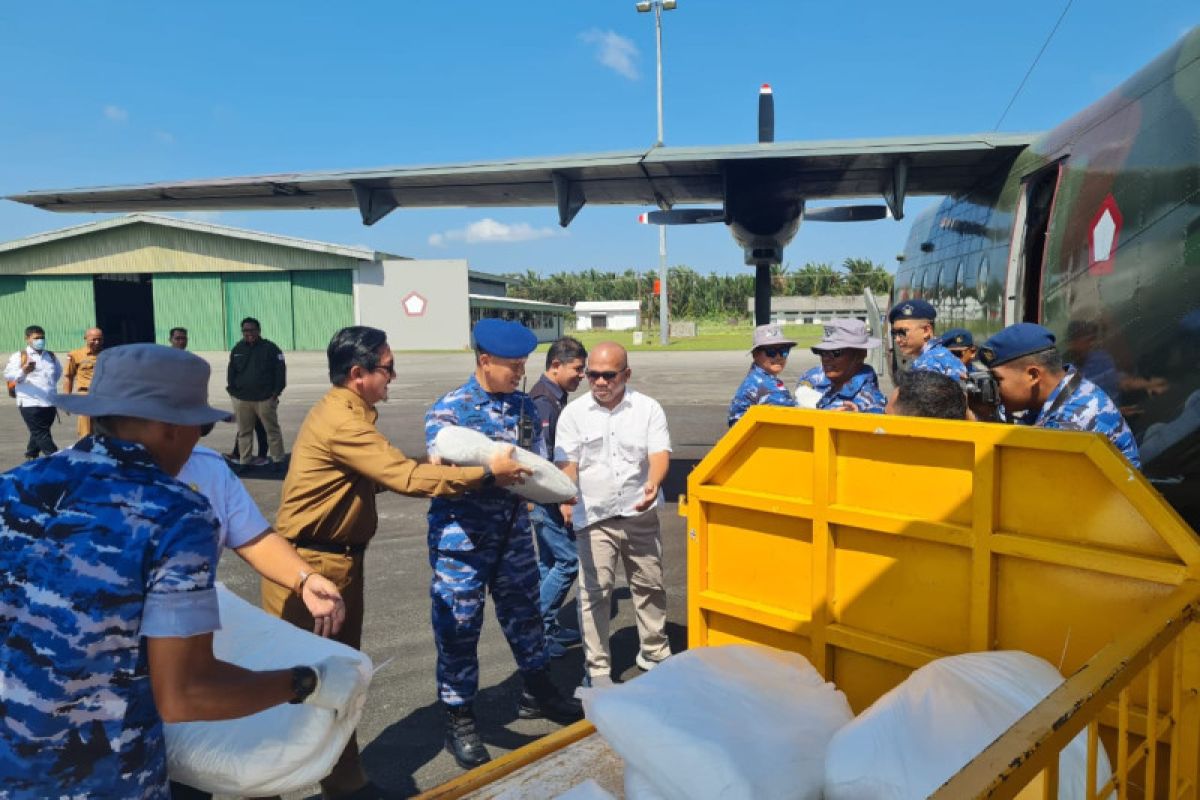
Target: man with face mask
column 32, row 374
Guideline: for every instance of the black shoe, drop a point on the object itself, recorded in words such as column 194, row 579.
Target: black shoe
column 462, row 740
column 542, row 700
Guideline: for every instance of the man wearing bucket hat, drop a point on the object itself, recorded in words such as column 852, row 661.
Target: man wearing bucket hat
column 844, row 379
column 1030, row 376
column 912, row 332
column 482, row 542
column 762, row 385
column 106, row 597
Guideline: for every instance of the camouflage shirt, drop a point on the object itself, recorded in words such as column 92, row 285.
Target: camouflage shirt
column 862, row 390
column 1087, row 408
column 936, row 358
column 455, row 523
column 759, row 388
column 98, row 548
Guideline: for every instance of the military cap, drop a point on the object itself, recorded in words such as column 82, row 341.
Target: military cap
column 912, row 309
column 503, row 338
column 1015, row 341
column 957, row 338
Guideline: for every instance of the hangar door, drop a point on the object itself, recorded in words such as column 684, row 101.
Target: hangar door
column 191, row 300
column 266, row 296
column 322, row 304
column 64, row 305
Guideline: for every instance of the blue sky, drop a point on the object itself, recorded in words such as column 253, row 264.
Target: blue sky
column 131, row 92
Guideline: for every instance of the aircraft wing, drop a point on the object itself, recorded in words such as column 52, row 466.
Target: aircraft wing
column 662, row 176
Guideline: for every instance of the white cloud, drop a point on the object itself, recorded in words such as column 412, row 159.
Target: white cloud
column 165, row 137
column 614, row 51
column 116, row 114
column 488, row 231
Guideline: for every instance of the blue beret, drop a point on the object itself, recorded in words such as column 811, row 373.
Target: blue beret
column 912, row 309
column 1015, row 341
column 958, row 337
column 503, row 338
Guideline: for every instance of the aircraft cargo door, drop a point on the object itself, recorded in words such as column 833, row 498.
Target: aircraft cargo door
column 1023, row 290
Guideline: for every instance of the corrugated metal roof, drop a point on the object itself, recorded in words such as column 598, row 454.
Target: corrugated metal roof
column 360, row 253
column 853, row 302
column 491, row 301
column 608, row 305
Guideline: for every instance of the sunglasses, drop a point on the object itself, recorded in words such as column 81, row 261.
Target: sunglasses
column 776, row 352
column 390, row 369
column 593, row 375
column 899, row 333
column 829, row 353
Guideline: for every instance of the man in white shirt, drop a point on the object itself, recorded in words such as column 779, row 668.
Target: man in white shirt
column 614, row 443
column 32, row 374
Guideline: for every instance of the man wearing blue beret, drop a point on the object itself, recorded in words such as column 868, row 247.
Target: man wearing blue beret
column 1031, row 377
column 912, row 332
column 483, row 541
column 961, row 344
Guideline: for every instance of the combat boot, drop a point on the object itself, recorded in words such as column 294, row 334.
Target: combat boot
column 541, row 699
column 462, row 740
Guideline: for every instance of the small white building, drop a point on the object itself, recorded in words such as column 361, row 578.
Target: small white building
column 608, row 315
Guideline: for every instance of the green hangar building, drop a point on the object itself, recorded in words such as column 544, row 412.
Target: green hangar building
column 137, row 276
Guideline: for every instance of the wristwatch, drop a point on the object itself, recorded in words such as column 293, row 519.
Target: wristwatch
column 489, row 478
column 304, row 683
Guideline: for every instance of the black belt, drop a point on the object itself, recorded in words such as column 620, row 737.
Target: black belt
column 331, row 547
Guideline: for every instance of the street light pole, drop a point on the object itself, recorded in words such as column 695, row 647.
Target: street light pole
column 664, row 305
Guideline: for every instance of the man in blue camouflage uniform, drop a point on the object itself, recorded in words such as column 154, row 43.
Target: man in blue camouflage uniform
column 844, row 379
column 107, row 605
column 762, row 385
column 912, row 333
column 1031, row 377
column 482, row 541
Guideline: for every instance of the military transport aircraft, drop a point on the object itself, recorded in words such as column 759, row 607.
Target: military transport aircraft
column 1092, row 228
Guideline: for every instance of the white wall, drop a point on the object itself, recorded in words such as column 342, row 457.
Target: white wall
column 617, row 320
column 445, row 324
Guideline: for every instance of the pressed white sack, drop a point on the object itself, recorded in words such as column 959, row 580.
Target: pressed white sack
column 918, row 735
column 735, row 722
column 467, row 447
column 282, row 749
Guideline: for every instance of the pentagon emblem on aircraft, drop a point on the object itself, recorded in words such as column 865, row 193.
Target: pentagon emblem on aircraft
column 1103, row 237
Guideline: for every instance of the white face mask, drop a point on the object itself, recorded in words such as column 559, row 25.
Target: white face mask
column 39, row 344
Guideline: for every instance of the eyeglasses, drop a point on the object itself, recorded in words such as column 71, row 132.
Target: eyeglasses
column 390, row 369
column 899, row 333
column 776, row 352
column 829, row 353
column 593, row 375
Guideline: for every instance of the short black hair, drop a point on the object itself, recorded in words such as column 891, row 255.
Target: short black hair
column 252, row 321
column 32, row 329
column 356, row 346
column 173, row 331
column 568, row 348
column 922, row 393
column 1049, row 359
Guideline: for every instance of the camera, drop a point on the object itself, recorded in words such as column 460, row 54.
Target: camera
column 981, row 388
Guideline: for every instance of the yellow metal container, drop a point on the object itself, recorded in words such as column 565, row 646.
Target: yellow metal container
column 874, row 544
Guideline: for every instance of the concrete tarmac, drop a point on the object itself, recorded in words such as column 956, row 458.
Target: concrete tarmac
column 401, row 731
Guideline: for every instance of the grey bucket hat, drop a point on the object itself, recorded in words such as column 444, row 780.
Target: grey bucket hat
column 147, row 381
column 768, row 335
column 846, row 333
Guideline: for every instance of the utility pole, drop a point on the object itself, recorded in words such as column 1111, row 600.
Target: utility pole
column 664, row 315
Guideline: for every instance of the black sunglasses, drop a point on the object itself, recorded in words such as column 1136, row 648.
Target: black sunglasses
column 899, row 333
column 829, row 353
column 390, row 369
column 593, row 375
column 776, row 352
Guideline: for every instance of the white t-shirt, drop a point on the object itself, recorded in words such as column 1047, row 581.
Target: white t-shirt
column 39, row 388
column 241, row 521
column 612, row 449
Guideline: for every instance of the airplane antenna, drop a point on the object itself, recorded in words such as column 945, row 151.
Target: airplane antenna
column 1036, row 58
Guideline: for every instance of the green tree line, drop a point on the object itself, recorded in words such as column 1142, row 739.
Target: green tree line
column 696, row 296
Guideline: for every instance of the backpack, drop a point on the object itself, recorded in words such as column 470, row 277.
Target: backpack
column 12, row 385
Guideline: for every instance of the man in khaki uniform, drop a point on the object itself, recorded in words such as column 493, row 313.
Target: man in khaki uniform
column 78, row 374
column 339, row 461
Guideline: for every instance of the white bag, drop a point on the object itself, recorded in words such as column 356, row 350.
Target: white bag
column 918, row 735
column 282, row 749
column 547, row 484
column 724, row 722
column 807, row 397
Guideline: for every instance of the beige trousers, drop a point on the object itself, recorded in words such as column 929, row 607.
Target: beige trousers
column 245, row 412
column 637, row 543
